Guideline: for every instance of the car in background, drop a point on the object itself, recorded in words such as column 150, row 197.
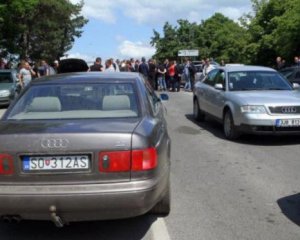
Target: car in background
column 292, row 74
column 8, row 86
column 85, row 146
column 248, row 99
column 69, row 65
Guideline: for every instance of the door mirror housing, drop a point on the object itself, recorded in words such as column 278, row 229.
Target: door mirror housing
column 164, row 97
column 296, row 85
column 219, row 86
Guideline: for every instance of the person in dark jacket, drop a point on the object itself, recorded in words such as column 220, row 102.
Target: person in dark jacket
column 97, row 67
column 144, row 69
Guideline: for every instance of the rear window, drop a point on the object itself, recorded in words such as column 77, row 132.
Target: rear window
column 76, row 101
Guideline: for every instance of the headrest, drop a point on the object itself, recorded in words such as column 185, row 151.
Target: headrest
column 45, row 104
column 116, row 102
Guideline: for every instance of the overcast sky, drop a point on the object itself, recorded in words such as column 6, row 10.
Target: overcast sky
column 123, row 28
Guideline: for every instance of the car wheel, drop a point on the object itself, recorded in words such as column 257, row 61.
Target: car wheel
column 230, row 130
column 163, row 207
column 198, row 114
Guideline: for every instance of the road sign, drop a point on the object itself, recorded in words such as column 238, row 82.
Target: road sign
column 188, row 53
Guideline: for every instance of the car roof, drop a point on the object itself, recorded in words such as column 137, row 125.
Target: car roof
column 237, row 68
column 91, row 77
column 7, row 70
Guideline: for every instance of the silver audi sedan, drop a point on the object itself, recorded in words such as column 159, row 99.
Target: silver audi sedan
column 248, row 99
column 84, row 146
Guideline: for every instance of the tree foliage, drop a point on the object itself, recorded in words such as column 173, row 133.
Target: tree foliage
column 270, row 30
column 39, row 29
column 217, row 37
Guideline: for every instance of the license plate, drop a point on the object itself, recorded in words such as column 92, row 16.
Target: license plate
column 287, row 122
column 53, row 163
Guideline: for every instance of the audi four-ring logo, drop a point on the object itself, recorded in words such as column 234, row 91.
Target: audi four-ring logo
column 55, row 143
column 288, row 110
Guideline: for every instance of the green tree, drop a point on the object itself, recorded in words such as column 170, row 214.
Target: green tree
column 40, row 29
column 217, row 37
column 273, row 30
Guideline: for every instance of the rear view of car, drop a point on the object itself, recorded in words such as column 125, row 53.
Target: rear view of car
column 83, row 147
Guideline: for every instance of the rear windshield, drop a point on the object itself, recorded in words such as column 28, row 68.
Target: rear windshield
column 76, row 101
column 5, row 77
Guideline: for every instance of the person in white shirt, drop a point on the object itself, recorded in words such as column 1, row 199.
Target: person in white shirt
column 208, row 67
column 109, row 67
column 25, row 74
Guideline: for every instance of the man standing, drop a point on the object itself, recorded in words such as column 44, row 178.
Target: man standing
column 152, row 73
column 25, row 74
column 97, row 67
column 144, row 69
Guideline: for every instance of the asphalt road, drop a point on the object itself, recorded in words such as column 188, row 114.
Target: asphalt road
column 248, row 189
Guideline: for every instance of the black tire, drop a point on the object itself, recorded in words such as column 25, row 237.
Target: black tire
column 163, row 207
column 197, row 112
column 230, row 130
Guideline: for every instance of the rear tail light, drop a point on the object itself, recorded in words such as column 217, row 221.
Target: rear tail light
column 6, row 164
column 125, row 161
column 118, row 161
column 144, row 159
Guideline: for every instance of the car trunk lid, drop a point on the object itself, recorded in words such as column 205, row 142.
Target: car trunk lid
column 45, row 142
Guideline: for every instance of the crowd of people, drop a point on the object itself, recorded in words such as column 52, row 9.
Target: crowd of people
column 163, row 76
column 281, row 63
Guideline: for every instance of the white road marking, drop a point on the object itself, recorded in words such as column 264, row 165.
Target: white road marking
column 159, row 230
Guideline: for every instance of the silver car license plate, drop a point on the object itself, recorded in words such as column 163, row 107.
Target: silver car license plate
column 52, row 163
column 287, row 122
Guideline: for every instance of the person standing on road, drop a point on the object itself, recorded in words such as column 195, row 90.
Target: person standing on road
column 25, row 74
column 109, row 67
column 152, row 73
column 44, row 69
column 178, row 73
column 171, row 71
column 97, row 66
column 161, row 74
column 144, row 69
column 187, row 77
column 208, row 67
column 279, row 63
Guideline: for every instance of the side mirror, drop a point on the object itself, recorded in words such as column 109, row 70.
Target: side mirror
column 164, row 97
column 219, row 86
column 296, row 85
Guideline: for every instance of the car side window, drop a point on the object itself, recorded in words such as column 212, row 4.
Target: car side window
column 220, row 78
column 152, row 98
column 210, row 79
column 297, row 76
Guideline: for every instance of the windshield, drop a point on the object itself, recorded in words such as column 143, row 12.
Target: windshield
column 77, row 101
column 5, row 77
column 257, row 80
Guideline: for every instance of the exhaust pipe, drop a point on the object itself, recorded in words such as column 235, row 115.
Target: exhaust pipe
column 6, row 219
column 16, row 219
column 56, row 219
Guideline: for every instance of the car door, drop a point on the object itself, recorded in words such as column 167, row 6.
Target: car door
column 297, row 76
column 217, row 95
column 204, row 91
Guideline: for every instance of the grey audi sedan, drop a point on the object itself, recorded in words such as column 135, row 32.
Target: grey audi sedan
column 84, row 146
column 248, row 99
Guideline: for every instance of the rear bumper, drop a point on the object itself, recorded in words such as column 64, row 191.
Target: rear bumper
column 83, row 202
